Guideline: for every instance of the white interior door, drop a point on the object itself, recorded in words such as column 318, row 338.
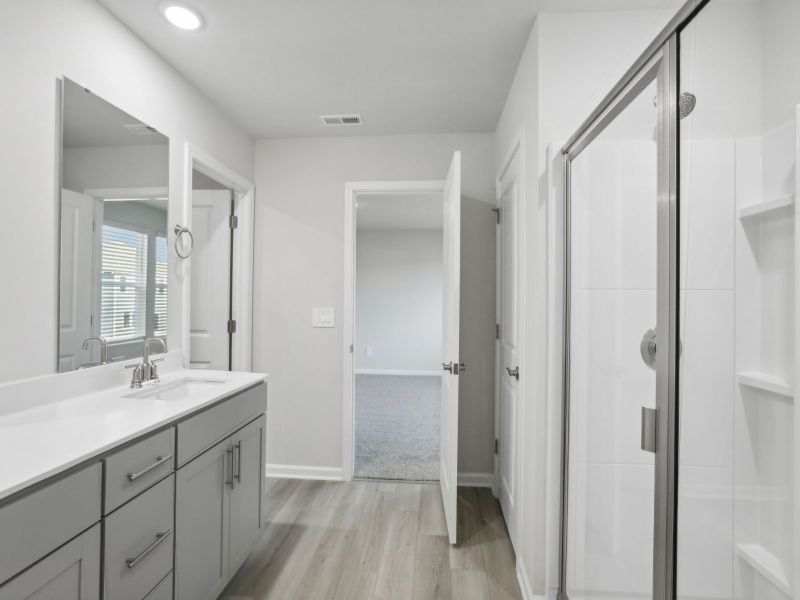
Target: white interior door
column 209, row 340
column 508, row 344
column 77, row 271
column 448, row 476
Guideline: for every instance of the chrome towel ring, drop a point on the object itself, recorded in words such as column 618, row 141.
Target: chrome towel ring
column 179, row 231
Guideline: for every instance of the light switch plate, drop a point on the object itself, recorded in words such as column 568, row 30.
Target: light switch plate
column 323, row 316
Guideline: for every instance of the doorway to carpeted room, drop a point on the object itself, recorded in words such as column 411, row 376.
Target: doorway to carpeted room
column 397, row 427
column 398, row 336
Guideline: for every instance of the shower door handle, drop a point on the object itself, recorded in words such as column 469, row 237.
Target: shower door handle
column 649, row 429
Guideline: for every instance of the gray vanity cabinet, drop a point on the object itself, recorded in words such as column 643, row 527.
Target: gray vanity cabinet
column 201, row 531
column 218, row 512
column 245, row 497
column 70, row 573
column 130, row 526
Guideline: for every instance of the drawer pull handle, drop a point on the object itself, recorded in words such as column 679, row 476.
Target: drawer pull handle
column 238, row 473
column 160, row 537
column 230, row 468
column 159, row 460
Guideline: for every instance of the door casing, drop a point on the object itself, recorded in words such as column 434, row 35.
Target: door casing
column 351, row 192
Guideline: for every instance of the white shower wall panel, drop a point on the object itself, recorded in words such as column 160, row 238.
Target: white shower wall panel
column 613, row 303
column 613, row 532
column 614, row 216
column 610, row 381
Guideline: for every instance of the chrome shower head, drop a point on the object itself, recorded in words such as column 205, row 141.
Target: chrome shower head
column 686, row 104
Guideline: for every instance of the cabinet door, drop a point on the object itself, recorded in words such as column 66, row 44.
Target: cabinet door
column 70, row 573
column 201, row 525
column 245, row 494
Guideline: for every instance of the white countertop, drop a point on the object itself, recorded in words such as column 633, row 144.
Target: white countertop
column 45, row 438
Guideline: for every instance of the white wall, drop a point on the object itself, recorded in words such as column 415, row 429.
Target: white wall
column 781, row 61
column 40, row 42
column 398, row 313
column 299, row 264
column 116, row 167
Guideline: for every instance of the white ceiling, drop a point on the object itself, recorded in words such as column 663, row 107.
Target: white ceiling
column 396, row 211
column 91, row 122
column 407, row 66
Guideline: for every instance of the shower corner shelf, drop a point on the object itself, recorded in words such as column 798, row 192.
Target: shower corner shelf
column 763, row 381
column 766, row 564
column 765, row 208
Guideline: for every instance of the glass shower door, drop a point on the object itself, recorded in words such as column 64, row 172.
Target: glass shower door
column 615, row 295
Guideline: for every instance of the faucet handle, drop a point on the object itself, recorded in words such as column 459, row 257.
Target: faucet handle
column 154, row 370
column 136, row 379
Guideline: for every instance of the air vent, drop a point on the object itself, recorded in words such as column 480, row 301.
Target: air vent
column 140, row 129
column 341, row 120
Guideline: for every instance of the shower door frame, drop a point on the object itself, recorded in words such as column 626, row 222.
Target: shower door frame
column 658, row 63
column 661, row 68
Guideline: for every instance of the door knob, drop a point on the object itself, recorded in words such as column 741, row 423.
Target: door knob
column 462, row 367
column 647, row 348
column 513, row 372
column 448, row 367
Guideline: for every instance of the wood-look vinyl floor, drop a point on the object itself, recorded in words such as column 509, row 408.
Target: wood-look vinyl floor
column 365, row 540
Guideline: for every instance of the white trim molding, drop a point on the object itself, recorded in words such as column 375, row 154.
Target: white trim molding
column 303, row 472
column 242, row 276
column 398, row 372
column 128, row 193
column 525, row 584
column 351, row 191
column 480, row 480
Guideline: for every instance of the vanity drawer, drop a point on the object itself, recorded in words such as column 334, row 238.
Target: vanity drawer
column 163, row 590
column 135, row 468
column 38, row 523
column 210, row 426
column 139, row 542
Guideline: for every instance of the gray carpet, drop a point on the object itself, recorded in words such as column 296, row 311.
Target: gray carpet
column 397, row 427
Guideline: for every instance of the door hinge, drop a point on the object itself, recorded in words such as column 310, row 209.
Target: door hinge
column 233, row 221
column 497, row 212
column 497, row 331
column 231, row 326
column 94, row 225
column 496, row 446
column 351, row 348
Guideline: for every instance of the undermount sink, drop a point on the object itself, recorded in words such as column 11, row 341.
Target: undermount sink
column 179, row 389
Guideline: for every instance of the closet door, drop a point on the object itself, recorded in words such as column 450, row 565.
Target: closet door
column 78, row 231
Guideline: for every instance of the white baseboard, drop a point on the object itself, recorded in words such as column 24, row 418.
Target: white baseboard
column 476, row 479
column 525, row 584
column 303, row 472
column 397, row 372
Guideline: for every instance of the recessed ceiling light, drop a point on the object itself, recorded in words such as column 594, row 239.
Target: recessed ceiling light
column 182, row 17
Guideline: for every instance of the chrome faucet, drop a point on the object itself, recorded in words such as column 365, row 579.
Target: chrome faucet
column 103, row 347
column 147, row 372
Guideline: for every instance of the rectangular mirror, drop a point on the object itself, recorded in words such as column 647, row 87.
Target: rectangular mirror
column 114, row 198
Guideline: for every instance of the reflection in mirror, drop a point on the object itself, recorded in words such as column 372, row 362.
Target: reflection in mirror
column 113, row 272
